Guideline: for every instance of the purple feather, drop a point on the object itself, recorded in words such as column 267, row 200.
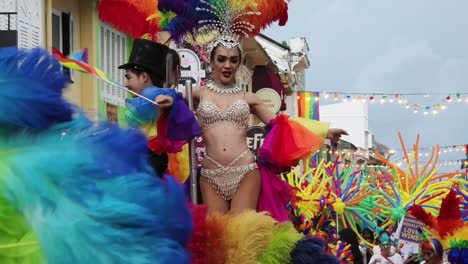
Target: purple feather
column 187, row 19
column 311, row 251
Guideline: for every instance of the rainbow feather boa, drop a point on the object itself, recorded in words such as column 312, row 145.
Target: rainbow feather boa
column 68, row 193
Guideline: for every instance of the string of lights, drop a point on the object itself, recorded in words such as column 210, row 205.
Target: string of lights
column 400, row 99
column 442, row 151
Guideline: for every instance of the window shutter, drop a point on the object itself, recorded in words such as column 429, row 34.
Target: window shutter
column 7, row 12
column 8, row 23
column 113, row 54
column 29, row 22
column 102, row 86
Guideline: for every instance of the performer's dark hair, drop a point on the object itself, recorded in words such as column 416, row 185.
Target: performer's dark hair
column 348, row 236
column 155, row 79
column 212, row 54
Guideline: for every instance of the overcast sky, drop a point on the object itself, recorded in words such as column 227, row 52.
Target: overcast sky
column 390, row 46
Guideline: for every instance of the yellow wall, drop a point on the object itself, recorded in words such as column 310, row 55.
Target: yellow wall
column 83, row 92
column 88, row 10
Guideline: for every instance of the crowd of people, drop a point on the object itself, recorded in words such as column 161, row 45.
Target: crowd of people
column 387, row 249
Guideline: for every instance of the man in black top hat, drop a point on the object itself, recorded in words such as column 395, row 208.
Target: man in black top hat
column 147, row 68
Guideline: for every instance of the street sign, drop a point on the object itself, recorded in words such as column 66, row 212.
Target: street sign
column 190, row 68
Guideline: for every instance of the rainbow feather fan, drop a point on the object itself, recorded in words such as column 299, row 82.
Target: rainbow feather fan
column 67, row 190
column 249, row 237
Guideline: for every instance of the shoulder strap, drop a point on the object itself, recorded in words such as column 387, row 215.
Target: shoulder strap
column 202, row 88
column 389, row 260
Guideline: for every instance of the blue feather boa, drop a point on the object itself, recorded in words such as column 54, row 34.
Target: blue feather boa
column 31, row 85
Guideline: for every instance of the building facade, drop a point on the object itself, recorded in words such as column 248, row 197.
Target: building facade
column 73, row 25
column 69, row 26
column 359, row 146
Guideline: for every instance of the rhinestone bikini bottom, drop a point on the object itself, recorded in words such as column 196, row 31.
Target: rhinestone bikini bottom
column 226, row 179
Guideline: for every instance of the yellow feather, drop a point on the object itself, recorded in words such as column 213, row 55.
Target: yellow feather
column 247, row 236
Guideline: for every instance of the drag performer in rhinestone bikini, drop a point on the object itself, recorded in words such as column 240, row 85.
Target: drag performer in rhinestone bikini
column 232, row 180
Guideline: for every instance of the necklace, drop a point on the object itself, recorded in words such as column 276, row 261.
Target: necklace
column 223, row 89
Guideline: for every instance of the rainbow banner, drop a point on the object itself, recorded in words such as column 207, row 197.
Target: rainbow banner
column 308, row 105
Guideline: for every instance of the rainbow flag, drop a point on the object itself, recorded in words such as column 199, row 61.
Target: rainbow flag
column 308, row 105
column 78, row 61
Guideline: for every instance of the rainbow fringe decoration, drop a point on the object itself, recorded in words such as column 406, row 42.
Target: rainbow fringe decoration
column 68, row 193
column 249, row 237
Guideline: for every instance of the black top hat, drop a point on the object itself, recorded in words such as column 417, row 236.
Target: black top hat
column 148, row 56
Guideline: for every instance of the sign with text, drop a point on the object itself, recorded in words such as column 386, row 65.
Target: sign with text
column 190, row 68
column 270, row 98
column 409, row 230
column 255, row 137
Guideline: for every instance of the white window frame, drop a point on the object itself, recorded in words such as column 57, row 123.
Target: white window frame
column 59, row 14
column 72, row 43
column 113, row 53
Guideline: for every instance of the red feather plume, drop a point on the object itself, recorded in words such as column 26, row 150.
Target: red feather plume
column 129, row 16
column 428, row 219
column 271, row 11
column 198, row 243
column 449, row 218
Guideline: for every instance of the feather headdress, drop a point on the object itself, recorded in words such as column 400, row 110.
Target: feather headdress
column 221, row 22
column 448, row 227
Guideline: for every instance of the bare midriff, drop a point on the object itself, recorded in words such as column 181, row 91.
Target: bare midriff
column 224, row 143
column 224, row 121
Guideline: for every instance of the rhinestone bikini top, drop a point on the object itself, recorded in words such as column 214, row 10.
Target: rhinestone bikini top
column 209, row 114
